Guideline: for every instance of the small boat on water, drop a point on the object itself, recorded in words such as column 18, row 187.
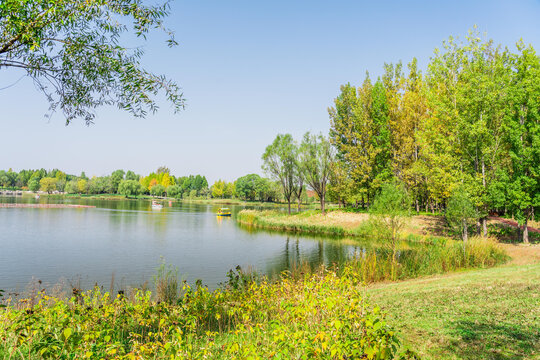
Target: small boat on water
column 224, row 212
column 156, row 205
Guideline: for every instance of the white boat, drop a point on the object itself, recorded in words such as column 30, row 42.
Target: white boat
column 156, row 205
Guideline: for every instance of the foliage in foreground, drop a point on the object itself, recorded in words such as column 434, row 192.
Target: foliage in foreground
column 318, row 316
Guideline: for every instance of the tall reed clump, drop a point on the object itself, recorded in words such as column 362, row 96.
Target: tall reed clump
column 322, row 315
column 166, row 284
column 436, row 258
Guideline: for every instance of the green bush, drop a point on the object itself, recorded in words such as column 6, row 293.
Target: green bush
column 322, row 315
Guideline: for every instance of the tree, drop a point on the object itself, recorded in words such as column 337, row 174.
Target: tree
column 163, row 170
column 389, row 211
column 130, row 188
column 33, row 184
column 116, row 177
column 48, row 184
column 174, row 191
column 157, row 190
column 522, row 134
column 72, row 50
column 130, row 175
column 360, row 132
column 82, row 185
column 229, row 191
column 340, row 184
column 461, row 213
column 4, row 179
column 316, row 158
column 279, row 160
column 71, row 187
column 471, row 80
column 247, row 186
column 218, row 189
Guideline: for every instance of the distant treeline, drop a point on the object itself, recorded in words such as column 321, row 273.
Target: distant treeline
column 159, row 183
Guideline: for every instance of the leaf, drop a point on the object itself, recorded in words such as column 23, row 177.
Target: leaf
column 67, row 333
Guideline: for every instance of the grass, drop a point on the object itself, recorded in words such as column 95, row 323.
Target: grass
column 333, row 223
column 479, row 314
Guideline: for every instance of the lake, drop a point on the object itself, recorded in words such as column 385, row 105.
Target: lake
column 128, row 240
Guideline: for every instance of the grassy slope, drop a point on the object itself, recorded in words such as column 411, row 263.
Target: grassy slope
column 481, row 314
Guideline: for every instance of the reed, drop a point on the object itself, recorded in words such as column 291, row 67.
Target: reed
column 166, row 284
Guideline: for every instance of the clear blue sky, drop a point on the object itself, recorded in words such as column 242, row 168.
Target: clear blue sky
column 249, row 70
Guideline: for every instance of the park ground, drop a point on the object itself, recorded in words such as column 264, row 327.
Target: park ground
column 491, row 313
column 477, row 314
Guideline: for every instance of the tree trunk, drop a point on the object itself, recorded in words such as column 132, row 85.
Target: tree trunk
column 484, row 226
column 289, row 202
column 465, row 232
column 525, row 232
column 322, row 204
column 299, row 203
column 417, row 206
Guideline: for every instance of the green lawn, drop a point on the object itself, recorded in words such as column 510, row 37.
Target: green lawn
column 478, row 314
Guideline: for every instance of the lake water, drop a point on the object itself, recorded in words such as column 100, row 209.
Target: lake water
column 130, row 240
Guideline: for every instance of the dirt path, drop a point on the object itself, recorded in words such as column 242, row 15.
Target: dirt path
column 512, row 223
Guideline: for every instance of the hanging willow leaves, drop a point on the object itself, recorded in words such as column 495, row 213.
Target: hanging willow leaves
column 74, row 52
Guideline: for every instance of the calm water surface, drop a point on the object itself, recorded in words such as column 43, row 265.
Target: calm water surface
column 130, row 240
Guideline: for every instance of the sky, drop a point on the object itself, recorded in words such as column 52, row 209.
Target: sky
column 249, row 70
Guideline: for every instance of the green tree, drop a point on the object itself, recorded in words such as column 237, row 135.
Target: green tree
column 116, row 177
column 157, row 190
column 4, row 179
column 461, row 213
column 130, row 188
column 218, row 189
column 163, row 170
column 48, row 184
column 130, row 175
column 473, row 78
column 279, row 161
column 247, row 187
column 82, row 185
column 229, row 191
column 71, row 187
column 390, row 210
column 174, row 191
column 33, row 184
column 316, row 160
column 522, row 134
column 73, row 51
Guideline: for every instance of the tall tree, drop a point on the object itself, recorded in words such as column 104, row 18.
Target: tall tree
column 522, row 133
column 116, row 177
column 414, row 111
column 317, row 157
column 279, row 161
column 73, row 52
